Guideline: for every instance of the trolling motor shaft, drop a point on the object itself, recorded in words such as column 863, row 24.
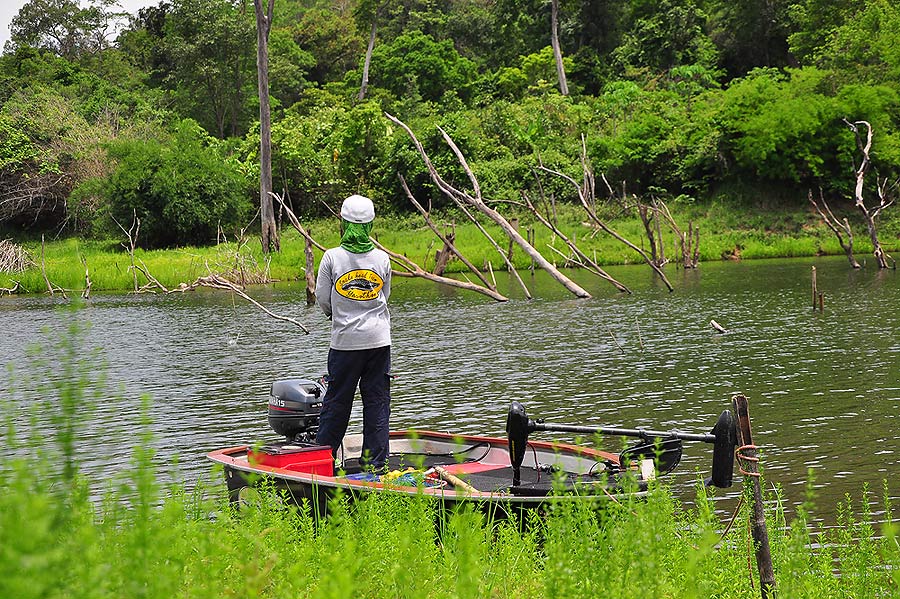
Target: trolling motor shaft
column 723, row 436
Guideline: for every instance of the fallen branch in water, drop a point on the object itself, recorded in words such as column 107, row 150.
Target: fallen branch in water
column 463, row 199
column 585, row 262
column 51, row 288
column 10, row 290
column 87, row 280
column 217, row 282
column 414, row 270
column 594, row 217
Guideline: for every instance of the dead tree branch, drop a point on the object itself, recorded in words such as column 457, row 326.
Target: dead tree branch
column 51, row 288
column 840, row 228
column 864, row 144
column 132, row 234
column 10, row 290
column 689, row 242
column 414, row 270
column 593, row 215
column 586, row 262
column 217, row 282
column 477, row 201
column 86, row 293
column 13, row 257
column 447, row 242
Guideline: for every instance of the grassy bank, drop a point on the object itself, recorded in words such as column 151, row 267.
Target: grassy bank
column 725, row 233
column 141, row 541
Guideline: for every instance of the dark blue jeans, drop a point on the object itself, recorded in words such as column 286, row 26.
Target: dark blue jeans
column 369, row 369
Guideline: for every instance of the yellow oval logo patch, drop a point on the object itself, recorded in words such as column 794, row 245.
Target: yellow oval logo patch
column 359, row 285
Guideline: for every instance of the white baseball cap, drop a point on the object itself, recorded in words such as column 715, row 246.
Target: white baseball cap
column 358, row 209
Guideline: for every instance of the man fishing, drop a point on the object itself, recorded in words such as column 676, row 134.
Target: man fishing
column 352, row 288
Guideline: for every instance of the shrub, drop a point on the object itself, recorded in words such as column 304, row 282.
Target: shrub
column 182, row 191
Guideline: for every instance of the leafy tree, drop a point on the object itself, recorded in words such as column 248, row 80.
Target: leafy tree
column 331, row 37
column 183, row 190
column 663, row 35
column 814, row 22
column 415, row 65
column 288, row 67
column 750, row 34
column 866, row 48
column 208, row 62
column 63, row 26
column 782, row 127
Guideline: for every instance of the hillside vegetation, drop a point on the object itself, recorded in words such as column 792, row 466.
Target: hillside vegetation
column 715, row 107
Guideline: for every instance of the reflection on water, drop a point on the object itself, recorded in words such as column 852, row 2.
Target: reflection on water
column 823, row 388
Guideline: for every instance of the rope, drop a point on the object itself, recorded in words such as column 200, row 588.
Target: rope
column 741, row 457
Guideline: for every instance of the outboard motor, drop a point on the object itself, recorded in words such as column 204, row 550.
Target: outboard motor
column 294, row 409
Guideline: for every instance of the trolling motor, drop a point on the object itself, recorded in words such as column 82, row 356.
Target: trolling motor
column 723, row 437
column 294, row 409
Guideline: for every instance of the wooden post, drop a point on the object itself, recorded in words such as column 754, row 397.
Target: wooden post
column 514, row 222
column 821, row 301
column 814, row 290
column 749, row 466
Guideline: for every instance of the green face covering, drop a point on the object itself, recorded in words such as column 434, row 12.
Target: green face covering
column 356, row 237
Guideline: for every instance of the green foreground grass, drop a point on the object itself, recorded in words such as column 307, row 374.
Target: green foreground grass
column 146, row 541
column 725, row 233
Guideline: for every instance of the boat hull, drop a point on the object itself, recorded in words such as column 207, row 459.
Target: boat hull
column 472, row 470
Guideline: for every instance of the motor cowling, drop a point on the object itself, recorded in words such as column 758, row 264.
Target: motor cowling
column 294, row 408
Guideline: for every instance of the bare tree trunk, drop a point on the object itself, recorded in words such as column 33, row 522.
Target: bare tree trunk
column 648, row 215
column 557, row 52
column 365, row 76
column 837, row 227
column 269, row 232
column 869, row 215
column 442, row 256
column 688, row 242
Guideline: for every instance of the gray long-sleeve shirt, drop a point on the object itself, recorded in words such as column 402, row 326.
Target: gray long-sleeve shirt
column 353, row 289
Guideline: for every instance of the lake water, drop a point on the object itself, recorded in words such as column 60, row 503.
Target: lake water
column 824, row 388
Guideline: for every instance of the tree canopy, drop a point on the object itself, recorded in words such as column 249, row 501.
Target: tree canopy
column 674, row 96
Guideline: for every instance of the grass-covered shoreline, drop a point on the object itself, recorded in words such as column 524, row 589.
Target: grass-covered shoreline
column 725, row 233
column 143, row 540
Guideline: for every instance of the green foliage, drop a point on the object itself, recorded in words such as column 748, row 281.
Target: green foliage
column 866, row 47
column 750, row 34
column 663, row 92
column 288, row 66
column 814, row 22
column 17, row 152
column 62, row 26
column 664, row 35
column 182, row 191
column 208, row 62
column 782, row 128
column 414, row 64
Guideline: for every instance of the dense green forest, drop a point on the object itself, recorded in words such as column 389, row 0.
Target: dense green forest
column 685, row 100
